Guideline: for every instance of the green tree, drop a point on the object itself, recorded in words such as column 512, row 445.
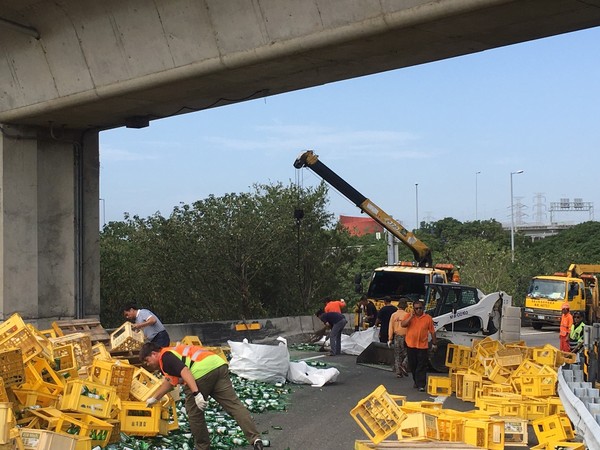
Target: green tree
column 229, row 257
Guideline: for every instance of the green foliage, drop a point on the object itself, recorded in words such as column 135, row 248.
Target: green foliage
column 246, row 256
column 231, row 257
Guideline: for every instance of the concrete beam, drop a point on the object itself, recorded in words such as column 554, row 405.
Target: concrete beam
column 107, row 64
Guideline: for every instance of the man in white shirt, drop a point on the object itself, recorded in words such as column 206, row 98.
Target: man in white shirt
column 146, row 320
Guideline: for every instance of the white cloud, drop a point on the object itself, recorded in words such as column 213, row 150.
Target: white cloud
column 340, row 144
column 112, row 154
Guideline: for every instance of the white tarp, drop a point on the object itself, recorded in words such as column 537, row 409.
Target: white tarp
column 301, row 373
column 268, row 363
column 359, row 340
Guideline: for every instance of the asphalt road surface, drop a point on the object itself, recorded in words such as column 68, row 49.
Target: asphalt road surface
column 319, row 418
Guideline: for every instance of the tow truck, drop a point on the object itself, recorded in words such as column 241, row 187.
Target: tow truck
column 460, row 313
column 405, row 278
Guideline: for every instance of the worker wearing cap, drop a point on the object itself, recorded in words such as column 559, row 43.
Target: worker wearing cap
column 566, row 320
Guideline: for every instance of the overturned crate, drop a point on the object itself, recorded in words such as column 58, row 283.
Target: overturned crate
column 126, row 338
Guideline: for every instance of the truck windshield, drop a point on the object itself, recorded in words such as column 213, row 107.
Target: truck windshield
column 397, row 284
column 550, row 289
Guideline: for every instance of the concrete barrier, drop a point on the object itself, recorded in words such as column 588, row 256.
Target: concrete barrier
column 294, row 329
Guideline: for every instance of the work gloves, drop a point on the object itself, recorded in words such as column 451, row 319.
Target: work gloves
column 151, row 402
column 200, row 402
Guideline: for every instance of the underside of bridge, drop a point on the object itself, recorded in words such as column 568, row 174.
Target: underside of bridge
column 89, row 64
column 71, row 68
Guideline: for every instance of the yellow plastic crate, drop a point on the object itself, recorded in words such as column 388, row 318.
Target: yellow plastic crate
column 450, row 429
column 75, row 424
column 541, row 385
column 85, row 425
column 515, row 430
column 493, row 389
column 555, row 406
column 548, row 429
column 508, row 357
column 32, row 397
column 378, row 415
column 218, row 351
column 507, row 407
column 564, row 445
column 46, row 440
column 495, row 372
column 14, row 333
column 419, row 425
column 532, row 409
column 191, row 340
column 458, row 356
column 144, row 385
column 74, row 399
column 126, row 338
column 138, row 420
column 467, row 384
column 545, row 355
column 526, row 368
column 42, row 377
column 7, row 421
column 3, row 394
column 438, row 385
column 46, row 418
column 65, row 362
column 118, row 374
column 82, row 347
column 484, row 433
column 99, row 351
column 486, row 347
column 12, row 370
column 565, row 358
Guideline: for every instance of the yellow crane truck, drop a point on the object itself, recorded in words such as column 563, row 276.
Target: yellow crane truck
column 404, row 279
column 578, row 286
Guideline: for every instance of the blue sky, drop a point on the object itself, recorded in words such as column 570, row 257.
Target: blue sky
column 533, row 107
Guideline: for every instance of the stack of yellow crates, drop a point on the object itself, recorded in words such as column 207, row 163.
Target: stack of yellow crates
column 62, row 392
column 512, row 386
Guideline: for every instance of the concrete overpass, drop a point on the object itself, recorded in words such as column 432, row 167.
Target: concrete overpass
column 71, row 68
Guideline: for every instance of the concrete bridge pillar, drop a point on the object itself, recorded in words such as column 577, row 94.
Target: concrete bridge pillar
column 49, row 242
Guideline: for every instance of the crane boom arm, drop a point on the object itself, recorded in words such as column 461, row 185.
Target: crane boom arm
column 576, row 270
column 421, row 252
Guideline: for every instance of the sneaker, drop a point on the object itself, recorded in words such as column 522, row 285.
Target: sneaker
column 421, row 389
column 258, row 444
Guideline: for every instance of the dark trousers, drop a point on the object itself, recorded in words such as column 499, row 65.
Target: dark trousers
column 162, row 338
column 217, row 384
column 417, row 363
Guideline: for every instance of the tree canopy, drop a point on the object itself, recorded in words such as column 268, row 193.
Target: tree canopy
column 277, row 251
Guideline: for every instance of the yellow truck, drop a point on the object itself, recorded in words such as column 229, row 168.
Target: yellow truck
column 578, row 286
column 404, row 279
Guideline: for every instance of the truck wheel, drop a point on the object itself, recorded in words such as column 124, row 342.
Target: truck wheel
column 437, row 359
column 536, row 325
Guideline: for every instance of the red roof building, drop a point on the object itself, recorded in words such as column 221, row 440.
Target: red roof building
column 359, row 226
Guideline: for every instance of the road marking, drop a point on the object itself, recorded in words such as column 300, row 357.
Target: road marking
column 532, row 332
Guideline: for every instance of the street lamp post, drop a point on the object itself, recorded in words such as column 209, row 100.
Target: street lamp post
column 512, row 217
column 476, row 173
column 417, row 203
